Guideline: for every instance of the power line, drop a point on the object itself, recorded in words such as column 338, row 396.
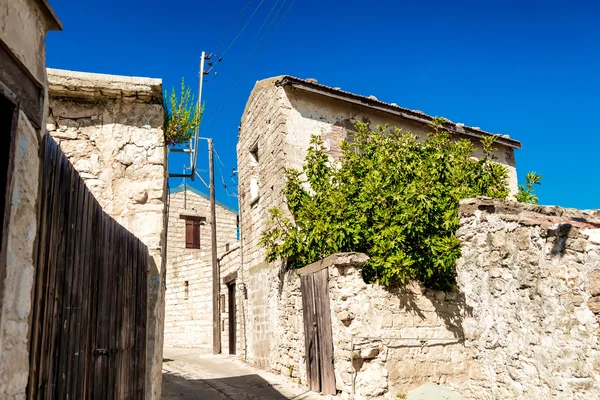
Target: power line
column 243, row 29
column 251, row 65
column 264, row 22
column 232, row 25
column 249, row 54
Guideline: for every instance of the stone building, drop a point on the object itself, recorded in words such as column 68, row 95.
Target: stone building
column 111, row 129
column 189, row 267
column 280, row 116
column 23, row 28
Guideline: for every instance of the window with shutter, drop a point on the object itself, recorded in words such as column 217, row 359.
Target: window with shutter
column 192, row 231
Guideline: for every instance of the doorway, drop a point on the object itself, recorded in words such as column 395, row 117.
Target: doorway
column 232, row 316
column 8, row 112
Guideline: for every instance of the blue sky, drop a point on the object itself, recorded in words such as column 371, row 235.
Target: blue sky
column 525, row 68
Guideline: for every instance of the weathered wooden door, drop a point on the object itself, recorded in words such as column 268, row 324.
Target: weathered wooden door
column 232, row 319
column 317, row 331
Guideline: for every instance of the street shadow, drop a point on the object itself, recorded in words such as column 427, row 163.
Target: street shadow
column 251, row 387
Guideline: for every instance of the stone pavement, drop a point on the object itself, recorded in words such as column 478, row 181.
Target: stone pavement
column 192, row 374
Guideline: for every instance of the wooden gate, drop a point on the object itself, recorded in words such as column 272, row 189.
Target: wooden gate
column 317, row 330
column 88, row 332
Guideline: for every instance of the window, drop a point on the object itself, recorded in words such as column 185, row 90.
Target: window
column 186, row 290
column 254, row 186
column 254, row 156
column 192, row 230
column 253, row 189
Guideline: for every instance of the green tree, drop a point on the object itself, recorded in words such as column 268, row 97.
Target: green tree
column 390, row 196
column 182, row 115
column 526, row 192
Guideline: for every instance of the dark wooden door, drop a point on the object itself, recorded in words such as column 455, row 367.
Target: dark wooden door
column 317, row 331
column 232, row 316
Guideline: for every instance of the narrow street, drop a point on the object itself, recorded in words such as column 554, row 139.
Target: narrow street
column 191, row 374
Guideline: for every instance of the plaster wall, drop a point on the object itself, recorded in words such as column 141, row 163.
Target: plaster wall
column 23, row 29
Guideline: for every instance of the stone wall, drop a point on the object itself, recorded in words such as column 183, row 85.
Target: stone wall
column 111, row 128
column 23, row 27
column 522, row 321
column 263, row 132
column 188, row 320
column 20, row 262
column 385, row 342
column 530, row 275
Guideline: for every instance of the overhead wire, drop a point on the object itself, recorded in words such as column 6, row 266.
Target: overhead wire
column 251, row 51
column 232, row 25
column 243, row 29
column 252, row 64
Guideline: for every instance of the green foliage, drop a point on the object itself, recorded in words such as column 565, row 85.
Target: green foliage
column 182, row 116
column 526, row 194
column 390, row 196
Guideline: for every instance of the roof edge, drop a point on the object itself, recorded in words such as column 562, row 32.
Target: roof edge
column 54, row 23
column 375, row 104
column 182, row 188
column 93, row 85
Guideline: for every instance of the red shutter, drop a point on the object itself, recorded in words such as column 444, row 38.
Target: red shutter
column 196, row 234
column 189, row 234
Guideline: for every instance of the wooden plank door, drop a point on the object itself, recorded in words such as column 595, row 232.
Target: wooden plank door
column 232, row 319
column 317, row 332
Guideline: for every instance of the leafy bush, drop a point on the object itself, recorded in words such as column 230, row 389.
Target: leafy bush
column 526, row 192
column 390, row 196
column 182, row 116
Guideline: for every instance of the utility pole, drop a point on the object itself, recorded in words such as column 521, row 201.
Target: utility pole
column 194, row 157
column 213, row 246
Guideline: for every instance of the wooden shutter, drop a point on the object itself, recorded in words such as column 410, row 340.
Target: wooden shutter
column 196, row 234
column 189, row 234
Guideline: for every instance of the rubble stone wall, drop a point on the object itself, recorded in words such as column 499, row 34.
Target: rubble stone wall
column 531, row 276
column 522, row 321
column 111, row 129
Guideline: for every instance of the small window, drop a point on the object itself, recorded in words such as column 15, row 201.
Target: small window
column 253, row 189
column 192, row 231
column 254, row 155
column 186, row 290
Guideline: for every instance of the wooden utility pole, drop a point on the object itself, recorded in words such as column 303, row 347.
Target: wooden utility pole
column 213, row 247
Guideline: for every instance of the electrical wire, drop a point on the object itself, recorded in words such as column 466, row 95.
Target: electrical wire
column 243, row 29
column 251, row 65
column 232, row 25
column 251, row 51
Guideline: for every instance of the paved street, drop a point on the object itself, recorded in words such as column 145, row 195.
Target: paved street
column 189, row 374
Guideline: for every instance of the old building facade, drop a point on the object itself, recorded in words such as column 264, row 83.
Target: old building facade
column 280, row 116
column 111, row 129
column 23, row 28
column 189, row 267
